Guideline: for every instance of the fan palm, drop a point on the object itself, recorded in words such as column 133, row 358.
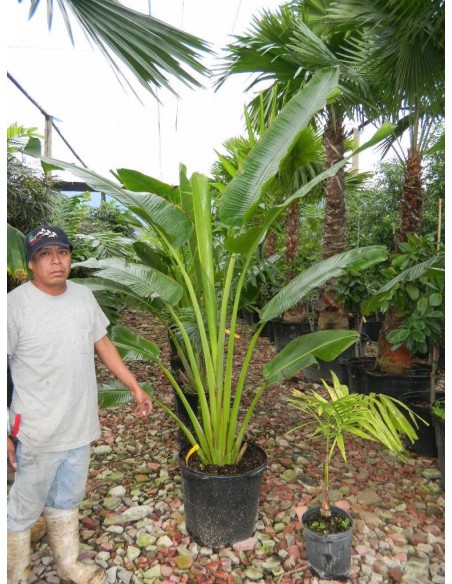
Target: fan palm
column 284, row 49
column 405, row 56
column 150, row 49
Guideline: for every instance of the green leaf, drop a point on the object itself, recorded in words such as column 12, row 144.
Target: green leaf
column 435, row 299
column 305, row 350
column 142, row 280
column 412, row 291
column 133, row 347
column 245, row 190
column 16, row 260
column 308, row 280
column 162, row 215
column 136, row 181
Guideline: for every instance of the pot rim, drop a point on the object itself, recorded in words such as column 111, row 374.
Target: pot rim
column 206, row 476
column 336, row 511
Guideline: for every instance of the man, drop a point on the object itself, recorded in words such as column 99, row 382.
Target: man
column 54, row 327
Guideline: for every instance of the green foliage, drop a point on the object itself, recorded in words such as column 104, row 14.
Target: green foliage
column 205, row 265
column 416, row 289
column 373, row 208
column 354, row 288
column 336, row 413
column 30, row 196
column 439, row 408
column 150, row 49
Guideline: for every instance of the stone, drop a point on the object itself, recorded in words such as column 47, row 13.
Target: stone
column 152, row 573
column 136, row 513
column 164, row 542
column 102, row 450
column 111, row 502
column 245, row 544
column 368, row 497
column 254, row 573
column 145, row 539
column 184, row 562
column 118, row 491
column 133, row 552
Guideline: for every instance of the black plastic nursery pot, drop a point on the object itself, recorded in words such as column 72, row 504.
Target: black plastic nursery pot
column 221, row 509
column 356, row 366
column 440, row 435
column 363, row 378
column 329, row 556
column 322, row 370
column 284, row 332
column 425, row 444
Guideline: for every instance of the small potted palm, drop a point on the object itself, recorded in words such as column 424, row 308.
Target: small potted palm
column 335, row 414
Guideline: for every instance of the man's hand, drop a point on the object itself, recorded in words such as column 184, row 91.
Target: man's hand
column 11, row 451
column 144, row 402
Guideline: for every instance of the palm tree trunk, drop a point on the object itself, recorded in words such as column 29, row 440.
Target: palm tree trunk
column 292, row 230
column 411, row 203
column 334, row 226
column 270, row 245
column 388, row 361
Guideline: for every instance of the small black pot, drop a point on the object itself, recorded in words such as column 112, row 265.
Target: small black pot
column 425, row 445
column 284, row 332
column 221, row 509
column 329, row 556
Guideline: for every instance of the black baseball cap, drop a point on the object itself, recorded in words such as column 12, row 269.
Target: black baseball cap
column 45, row 235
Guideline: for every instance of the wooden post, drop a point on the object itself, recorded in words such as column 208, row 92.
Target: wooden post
column 48, row 140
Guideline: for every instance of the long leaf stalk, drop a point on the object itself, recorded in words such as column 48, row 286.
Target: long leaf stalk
column 238, row 396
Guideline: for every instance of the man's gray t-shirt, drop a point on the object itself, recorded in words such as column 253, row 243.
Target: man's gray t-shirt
column 51, row 355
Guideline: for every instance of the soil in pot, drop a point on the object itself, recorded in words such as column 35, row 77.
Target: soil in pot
column 329, row 554
column 221, row 506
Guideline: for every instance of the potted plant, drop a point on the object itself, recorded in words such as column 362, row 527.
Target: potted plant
column 414, row 298
column 202, row 240
column 334, row 414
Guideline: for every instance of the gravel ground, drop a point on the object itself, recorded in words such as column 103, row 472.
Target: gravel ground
column 132, row 520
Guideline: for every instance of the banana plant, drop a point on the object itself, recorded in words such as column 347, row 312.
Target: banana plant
column 191, row 275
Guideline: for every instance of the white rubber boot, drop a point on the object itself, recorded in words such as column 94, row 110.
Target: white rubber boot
column 19, row 556
column 62, row 531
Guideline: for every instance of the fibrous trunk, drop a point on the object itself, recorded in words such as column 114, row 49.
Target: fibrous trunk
column 334, row 226
column 398, row 362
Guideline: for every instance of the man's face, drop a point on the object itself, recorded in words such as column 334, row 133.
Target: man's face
column 51, row 266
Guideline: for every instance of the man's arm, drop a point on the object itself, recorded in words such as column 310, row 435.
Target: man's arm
column 110, row 357
column 11, row 451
